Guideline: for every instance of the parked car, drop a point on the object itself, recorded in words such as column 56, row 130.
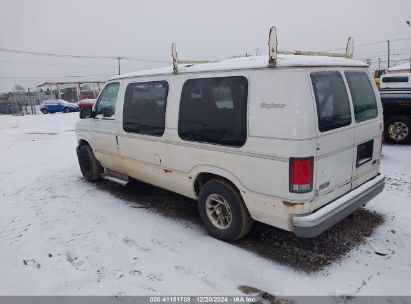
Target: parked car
column 397, row 116
column 86, row 103
column 395, row 82
column 58, row 105
column 376, row 75
column 290, row 141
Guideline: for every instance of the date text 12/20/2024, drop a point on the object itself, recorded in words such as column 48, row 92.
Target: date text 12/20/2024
column 204, row 299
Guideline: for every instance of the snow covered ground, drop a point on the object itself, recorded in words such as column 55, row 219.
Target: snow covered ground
column 60, row 235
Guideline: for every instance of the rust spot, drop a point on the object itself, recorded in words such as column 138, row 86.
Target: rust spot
column 289, row 204
column 167, row 171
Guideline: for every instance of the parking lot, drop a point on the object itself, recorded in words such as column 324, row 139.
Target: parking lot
column 60, row 235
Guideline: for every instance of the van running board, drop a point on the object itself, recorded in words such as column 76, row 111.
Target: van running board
column 115, row 177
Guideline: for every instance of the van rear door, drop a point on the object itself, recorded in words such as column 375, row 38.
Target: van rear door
column 335, row 135
column 368, row 126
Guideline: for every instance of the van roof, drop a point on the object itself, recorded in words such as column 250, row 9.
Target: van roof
column 251, row 62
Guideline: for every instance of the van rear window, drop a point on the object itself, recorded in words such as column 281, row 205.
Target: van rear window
column 333, row 107
column 363, row 96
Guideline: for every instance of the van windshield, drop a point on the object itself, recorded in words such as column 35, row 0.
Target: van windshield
column 363, row 96
column 333, row 107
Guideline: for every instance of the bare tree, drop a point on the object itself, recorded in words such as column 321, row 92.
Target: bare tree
column 19, row 88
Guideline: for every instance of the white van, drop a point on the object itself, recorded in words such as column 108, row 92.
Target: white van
column 395, row 82
column 293, row 142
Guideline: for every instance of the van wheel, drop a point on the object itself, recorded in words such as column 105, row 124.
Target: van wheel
column 398, row 130
column 90, row 167
column 44, row 111
column 223, row 211
column 67, row 110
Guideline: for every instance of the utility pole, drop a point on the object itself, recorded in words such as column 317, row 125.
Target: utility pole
column 379, row 63
column 29, row 101
column 409, row 24
column 388, row 42
column 119, row 64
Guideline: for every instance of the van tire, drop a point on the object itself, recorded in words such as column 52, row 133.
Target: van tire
column 90, row 167
column 399, row 121
column 241, row 221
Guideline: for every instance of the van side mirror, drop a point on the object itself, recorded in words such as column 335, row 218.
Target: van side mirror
column 85, row 113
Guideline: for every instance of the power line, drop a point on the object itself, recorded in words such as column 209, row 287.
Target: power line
column 54, row 54
column 380, row 55
column 61, row 65
column 65, row 76
column 370, row 43
column 68, row 65
column 378, row 52
column 78, row 56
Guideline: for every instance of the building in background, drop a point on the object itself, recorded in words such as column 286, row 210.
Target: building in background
column 72, row 91
column 401, row 68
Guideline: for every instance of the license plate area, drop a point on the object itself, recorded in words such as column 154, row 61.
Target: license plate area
column 364, row 153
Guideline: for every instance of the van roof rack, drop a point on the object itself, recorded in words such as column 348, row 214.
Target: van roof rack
column 176, row 61
column 272, row 52
column 272, row 49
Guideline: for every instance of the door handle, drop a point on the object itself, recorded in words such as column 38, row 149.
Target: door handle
column 157, row 159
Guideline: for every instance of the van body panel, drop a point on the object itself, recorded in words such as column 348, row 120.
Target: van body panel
column 368, row 132
column 334, row 155
column 103, row 135
column 281, row 106
column 336, row 158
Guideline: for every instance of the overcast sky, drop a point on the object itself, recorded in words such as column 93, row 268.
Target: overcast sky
column 211, row 29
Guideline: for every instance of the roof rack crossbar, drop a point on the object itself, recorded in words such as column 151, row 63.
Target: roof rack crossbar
column 312, row 53
column 176, row 61
column 196, row 61
column 272, row 49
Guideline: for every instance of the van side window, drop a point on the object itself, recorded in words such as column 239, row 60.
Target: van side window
column 363, row 96
column 106, row 104
column 333, row 106
column 214, row 110
column 145, row 108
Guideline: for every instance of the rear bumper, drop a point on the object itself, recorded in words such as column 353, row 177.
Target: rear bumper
column 314, row 224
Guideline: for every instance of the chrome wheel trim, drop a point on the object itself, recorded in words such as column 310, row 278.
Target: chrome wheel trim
column 218, row 211
column 398, row 130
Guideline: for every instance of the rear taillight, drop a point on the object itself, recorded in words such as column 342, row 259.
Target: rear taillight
column 301, row 174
